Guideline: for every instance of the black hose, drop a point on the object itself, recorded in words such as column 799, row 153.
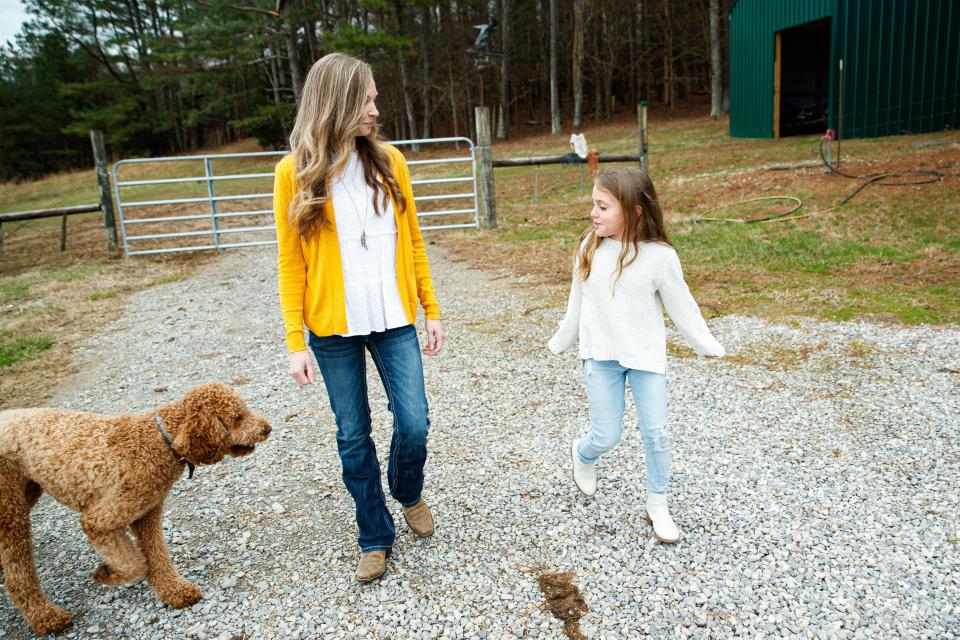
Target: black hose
column 889, row 179
column 884, row 179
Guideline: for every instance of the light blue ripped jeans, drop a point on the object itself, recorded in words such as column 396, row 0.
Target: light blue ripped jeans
column 605, row 393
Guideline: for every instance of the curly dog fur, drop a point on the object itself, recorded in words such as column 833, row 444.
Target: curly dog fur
column 115, row 471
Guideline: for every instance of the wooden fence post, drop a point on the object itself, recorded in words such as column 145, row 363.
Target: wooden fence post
column 103, row 182
column 488, row 204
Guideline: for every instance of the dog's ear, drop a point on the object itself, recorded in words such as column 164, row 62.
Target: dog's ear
column 202, row 439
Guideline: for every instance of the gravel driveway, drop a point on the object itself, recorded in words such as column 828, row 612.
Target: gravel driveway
column 816, row 478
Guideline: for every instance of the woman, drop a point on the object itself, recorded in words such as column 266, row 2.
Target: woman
column 352, row 268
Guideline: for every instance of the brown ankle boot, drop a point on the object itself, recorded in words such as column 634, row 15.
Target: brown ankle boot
column 372, row 565
column 419, row 519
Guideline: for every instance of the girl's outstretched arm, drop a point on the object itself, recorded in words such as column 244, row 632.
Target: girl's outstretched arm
column 683, row 309
column 566, row 335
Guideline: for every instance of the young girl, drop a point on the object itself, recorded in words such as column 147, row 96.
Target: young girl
column 353, row 268
column 624, row 268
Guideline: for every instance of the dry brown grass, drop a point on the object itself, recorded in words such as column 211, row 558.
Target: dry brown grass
column 66, row 297
column 892, row 254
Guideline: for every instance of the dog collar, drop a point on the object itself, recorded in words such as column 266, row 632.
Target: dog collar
column 169, row 441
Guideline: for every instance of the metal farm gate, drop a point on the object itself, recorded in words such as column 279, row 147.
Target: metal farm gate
column 164, row 206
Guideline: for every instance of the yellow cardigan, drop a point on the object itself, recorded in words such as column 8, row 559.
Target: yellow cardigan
column 310, row 271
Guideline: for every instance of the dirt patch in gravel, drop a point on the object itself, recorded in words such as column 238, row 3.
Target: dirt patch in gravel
column 563, row 599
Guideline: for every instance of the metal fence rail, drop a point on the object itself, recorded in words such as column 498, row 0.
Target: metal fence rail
column 37, row 214
column 471, row 195
column 217, row 232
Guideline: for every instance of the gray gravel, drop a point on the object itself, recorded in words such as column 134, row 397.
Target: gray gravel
column 815, row 478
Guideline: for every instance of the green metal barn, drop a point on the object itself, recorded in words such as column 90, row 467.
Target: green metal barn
column 900, row 62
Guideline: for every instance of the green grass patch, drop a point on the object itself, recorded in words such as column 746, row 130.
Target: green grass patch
column 563, row 233
column 13, row 290
column 781, row 249
column 71, row 273
column 13, row 350
column 102, row 295
column 923, row 305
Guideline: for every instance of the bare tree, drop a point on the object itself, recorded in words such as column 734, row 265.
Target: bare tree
column 505, row 69
column 606, row 54
column 426, row 79
column 668, row 72
column 578, row 44
column 716, row 84
column 405, row 80
column 554, row 89
column 446, row 19
column 293, row 56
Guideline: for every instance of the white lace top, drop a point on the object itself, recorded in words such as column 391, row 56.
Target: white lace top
column 369, row 274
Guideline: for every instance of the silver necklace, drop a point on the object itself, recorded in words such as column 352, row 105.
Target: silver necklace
column 361, row 219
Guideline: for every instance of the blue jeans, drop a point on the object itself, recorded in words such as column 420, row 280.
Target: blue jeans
column 605, row 393
column 342, row 362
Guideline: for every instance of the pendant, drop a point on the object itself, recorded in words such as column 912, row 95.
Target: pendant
column 363, row 240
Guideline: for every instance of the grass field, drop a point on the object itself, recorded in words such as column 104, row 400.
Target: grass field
column 892, row 254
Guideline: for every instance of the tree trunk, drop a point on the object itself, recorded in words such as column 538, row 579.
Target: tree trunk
column 293, row 56
column 426, row 80
column 606, row 69
column 644, row 53
column 716, row 84
column 632, row 48
column 446, row 21
column 554, row 89
column 579, row 30
column 310, row 29
column 668, row 80
column 453, row 106
column 405, row 84
column 597, row 100
column 408, row 101
column 273, row 74
column 505, row 70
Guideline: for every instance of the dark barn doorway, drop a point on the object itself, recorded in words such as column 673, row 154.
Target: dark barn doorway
column 803, row 70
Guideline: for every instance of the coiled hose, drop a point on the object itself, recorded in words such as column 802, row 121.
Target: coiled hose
column 886, row 179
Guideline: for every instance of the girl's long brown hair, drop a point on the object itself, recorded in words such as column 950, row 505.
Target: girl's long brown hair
column 325, row 133
column 643, row 218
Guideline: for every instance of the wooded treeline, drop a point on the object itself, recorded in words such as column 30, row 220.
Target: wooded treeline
column 167, row 76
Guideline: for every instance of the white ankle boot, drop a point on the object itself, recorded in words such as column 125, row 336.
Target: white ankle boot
column 584, row 475
column 658, row 514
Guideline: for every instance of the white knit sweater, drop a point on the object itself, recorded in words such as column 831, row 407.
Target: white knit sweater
column 626, row 324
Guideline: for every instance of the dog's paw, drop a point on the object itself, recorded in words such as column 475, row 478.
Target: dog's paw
column 50, row 619
column 105, row 574
column 182, row 594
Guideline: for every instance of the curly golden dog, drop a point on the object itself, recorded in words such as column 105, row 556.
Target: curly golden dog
column 115, row 471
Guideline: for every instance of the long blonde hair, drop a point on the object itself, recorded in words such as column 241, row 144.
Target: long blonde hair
column 325, row 133
column 642, row 218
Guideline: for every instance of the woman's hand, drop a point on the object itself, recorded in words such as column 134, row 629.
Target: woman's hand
column 434, row 338
column 300, row 368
